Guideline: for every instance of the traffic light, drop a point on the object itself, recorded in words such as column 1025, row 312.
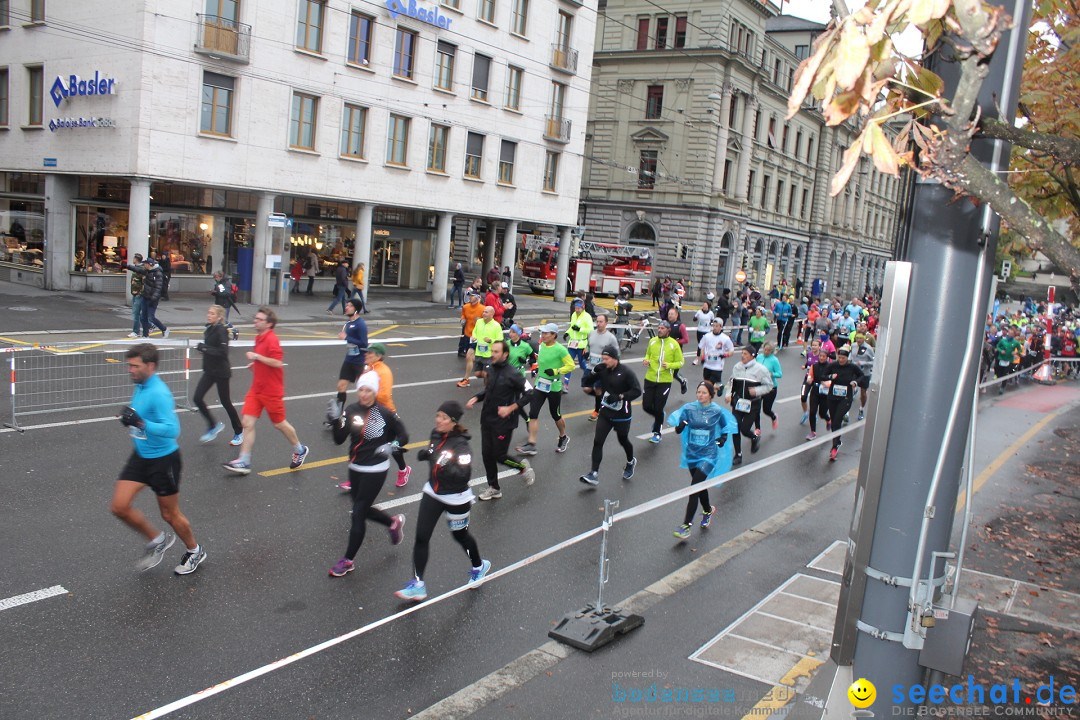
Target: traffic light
column 1006, row 269
column 679, row 250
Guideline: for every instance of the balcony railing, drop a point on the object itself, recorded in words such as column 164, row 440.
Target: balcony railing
column 223, row 37
column 556, row 128
column 564, row 58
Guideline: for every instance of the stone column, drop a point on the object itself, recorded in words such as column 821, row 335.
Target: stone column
column 362, row 246
column 59, row 248
column 722, row 134
column 742, row 191
column 562, row 267
column 509, row 250
column 489, row 248
column 260, row 276
column 442, row 258
column 138, row 221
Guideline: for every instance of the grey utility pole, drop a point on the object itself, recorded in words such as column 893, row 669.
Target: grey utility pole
column 950, row 245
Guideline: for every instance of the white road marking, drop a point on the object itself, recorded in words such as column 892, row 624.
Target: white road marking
column 30, row 597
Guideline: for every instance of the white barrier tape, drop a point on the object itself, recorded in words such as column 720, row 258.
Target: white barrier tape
column 1010, row 376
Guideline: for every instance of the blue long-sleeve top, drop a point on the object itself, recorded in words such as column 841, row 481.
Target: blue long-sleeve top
column 154, row 403
column 772, row 364
column 357, row 340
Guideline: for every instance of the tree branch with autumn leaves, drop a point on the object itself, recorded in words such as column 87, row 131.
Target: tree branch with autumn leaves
column 855, row 70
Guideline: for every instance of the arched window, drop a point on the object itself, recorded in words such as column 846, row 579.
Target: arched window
column 642, row 234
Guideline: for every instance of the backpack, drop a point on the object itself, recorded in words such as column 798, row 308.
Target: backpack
column 307, row 262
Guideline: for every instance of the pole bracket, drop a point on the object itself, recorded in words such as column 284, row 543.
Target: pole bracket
column 879, row 634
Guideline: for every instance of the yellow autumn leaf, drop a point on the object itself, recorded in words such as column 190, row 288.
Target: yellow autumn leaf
column 852, row 54
column 804, row 79
column 841, row 108
column 921, row 12
column 881, row 150
column 851, row 159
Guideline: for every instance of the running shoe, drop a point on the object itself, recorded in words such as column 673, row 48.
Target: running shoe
column 298, row 458
column 528, row 473
column 695, row 362
column 212, row 433
column 563, row 442
column 463, row 383
column 590, row 478
column 593, row 415
column 736, row 459
column 403, row 476
column 165, row 333
column 190, row 562
column 706, row 518
column 235, row 335
column 477, row 574
column 682, row 532
column 862, row 414
column 416, row 591
column 682, row 384
column 133, row 335
column 755, row 443
column 628, row 471
column 237, row 439
column 396, row 530
column 154, row 552
column 832, row 453
column 527, row 449
column 347, row 485
column 342, row 566
column 811, row 435
column 490, row 494
column 655, row 439
column 238, row 467
column 775, row 424
column 805, row 417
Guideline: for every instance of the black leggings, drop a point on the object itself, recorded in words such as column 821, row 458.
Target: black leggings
column 205, row 383
column 399, row 457
column 427, row 517
column 818, row 407
column 838, row 408
column 494, row 447
column 365, row 488
column 697, row 475
column 653, row 401
column 767, row 403
column 622, row 432
column 746, row 423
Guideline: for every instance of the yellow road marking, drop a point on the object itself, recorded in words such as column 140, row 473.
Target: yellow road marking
column 14, row 341
column 784, row 692
column 382, row 330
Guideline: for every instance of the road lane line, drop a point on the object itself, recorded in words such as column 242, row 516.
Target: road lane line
column 30, row 597
column 373, row 333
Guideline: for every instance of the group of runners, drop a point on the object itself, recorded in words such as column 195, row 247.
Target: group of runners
column 1017, row 341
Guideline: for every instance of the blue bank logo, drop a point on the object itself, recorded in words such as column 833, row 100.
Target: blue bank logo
column 75, row 86
column 430, row 16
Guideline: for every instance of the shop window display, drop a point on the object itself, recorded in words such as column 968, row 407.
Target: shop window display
column 184, row 238
column 22, row 233
column 100, row 239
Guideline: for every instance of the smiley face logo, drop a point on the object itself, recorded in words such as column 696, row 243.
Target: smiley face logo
column 862, row 693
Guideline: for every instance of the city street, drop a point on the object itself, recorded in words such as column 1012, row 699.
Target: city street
column 116, row 643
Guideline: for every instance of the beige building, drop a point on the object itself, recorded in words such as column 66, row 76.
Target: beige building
column 687, row 150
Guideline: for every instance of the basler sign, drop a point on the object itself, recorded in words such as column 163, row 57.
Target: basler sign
column 75, row 86
column 409, row 8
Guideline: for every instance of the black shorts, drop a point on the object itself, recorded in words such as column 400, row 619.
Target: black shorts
column 554, row 400
column 161, row 474
column 716, row 377
column 480, row 364
column 350, row 371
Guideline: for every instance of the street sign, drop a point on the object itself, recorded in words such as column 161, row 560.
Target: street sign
column 740, row 276
column 277, row 220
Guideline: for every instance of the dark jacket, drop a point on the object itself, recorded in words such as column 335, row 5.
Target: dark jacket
column 215, row 350
column 504, row 385
column 153, row 281
column 370, row 431
column 450, row 462
column 620, row 386
column 459, row 277
column 842, row 375
column 341, row 276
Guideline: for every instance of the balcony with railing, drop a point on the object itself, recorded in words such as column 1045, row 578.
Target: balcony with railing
column 221, row 37
column 556, row 128
column 564, row 58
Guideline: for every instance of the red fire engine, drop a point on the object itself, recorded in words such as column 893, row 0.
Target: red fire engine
column 603, row 268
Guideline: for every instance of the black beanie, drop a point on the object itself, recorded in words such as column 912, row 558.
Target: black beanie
column 452, row 409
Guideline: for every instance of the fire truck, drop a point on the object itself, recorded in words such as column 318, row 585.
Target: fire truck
column 603, row 268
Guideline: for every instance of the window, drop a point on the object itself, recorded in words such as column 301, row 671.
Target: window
column 791, row 202
column 474, row 155
column 5, row 14
column 680, row 31
column 643, row 34
column 790, row 78
column 507, row 153
column 779, row 196
column 481, row 71
column 353, row 125
column 456, row 4
column 661, row 33
column 519, row 17
column 776, row 72
column 809, row 148
column 766, row 181
column 805, row 203
column 305, row 110
column 397, row 141
column 37, row 11
column 551, row 171
column 217, row 93
column 647, row 169
column 750, row 186
column 34, row 76
column 562, row 30
column 802, row 51
column 514, row 78
column 757, row 122
column 784, row 137
column 733, row 111
column 444, row 65
column 436, row 151
column 222, row 9
column 558, row 100
column 771, row 137
column 486, row 10
column 3, row 96
column 404, row 53
column 654, row 102
column 360, row 26
column 727, row 176
column 741, row 39
column 798, row 143
column 309, row 25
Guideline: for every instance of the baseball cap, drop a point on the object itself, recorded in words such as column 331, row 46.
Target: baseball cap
column 505, row 285
column 549, row 327
column 378, row 348
column 665, row 323
column 579, row 302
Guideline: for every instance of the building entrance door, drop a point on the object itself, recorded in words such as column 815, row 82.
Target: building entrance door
column 386, row 262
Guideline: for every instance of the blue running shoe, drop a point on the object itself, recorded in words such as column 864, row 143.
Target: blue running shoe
column 416, row 591
column 477, row 574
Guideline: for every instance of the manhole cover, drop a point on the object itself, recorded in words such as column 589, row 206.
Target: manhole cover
column 22, row 308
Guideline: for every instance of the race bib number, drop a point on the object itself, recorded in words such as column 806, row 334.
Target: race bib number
column 543, row 385
column 712, row 358
column 611, row 403
column 353, row 351
column 839, row 390
column 574, row 344
column 742, row 405
column 699, row 437
column 481, row 348
column 757, row 334
column 1003, row 363
column 136, row 433
column 822, row 390
column 594, row 360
